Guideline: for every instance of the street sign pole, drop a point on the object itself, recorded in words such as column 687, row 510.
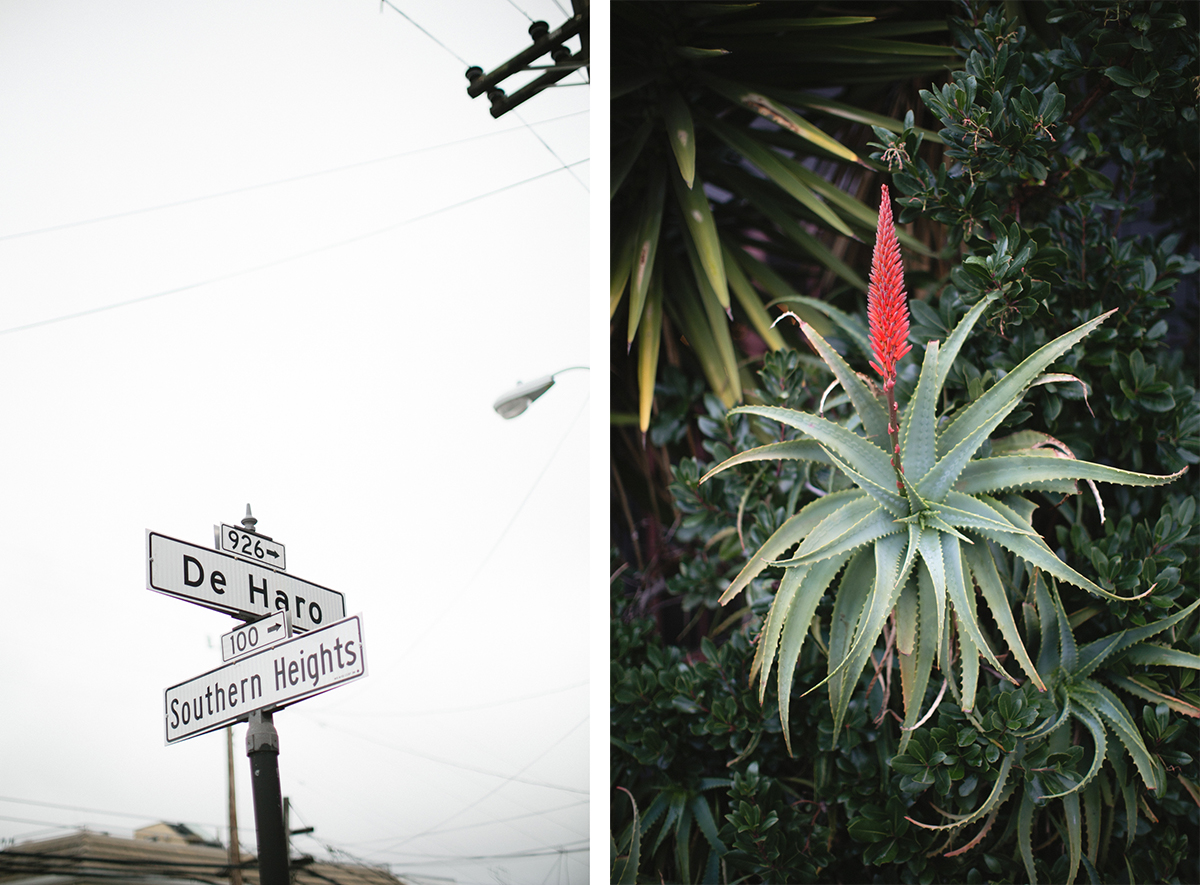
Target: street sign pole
column 262, row 747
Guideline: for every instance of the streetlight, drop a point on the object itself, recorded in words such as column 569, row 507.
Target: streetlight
column 517, row 400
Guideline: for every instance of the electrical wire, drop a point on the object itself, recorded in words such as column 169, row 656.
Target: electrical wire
column 546, row 145
column 279, row 261
column 426, row 33
column 451, row 710
column 306, row 175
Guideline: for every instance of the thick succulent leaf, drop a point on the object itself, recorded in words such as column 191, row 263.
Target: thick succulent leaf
column 795, row 628
column 1094, row 653
column 861, row 454
column 1014, row 471
column 1025, row 835
column 961, row 598
column 708, row 827
column 992, row 801
column 849, row 604
column 1139, row 688
column 930, row 547
column 1074, row 822
column 1048, row 653
column 768, row 639
column 919, row 667
column 968, row 659
column 1100, row 737
column 788, row 450
column 884, row 496
column 681, row 133
column 870, row 412
column 1068, row 652
column 624, row 868
column 1012, row 385
column 889, row 577
column 792, row 532
column 1157, row 655
column 954, row 341
column 983, row 568
column 965, row 512
column 749, row 299
column 853, row 526
column 698, row 218
column 917, row 443
column 906, row 619
column 1100, row 700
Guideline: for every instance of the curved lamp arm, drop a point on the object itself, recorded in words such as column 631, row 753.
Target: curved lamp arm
column 517, row 400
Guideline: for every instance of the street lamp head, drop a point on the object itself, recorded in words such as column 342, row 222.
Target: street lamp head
column 517, row 400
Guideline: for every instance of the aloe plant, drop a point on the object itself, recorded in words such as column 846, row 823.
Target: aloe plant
column 909, row 536
column 1075, row 694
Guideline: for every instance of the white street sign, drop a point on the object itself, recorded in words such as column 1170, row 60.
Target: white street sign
column 251, row 546
column 256, row 636
column 243, row 589
column 271, row 678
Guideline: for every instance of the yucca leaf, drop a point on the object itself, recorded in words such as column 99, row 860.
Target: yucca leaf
column 749, row 300
column 770, row 164
column 794, row 530
column 681, row 134
column 987, row 578
column 864, row 456
column 917, row 442
column 621, row 264
column 1002, row 393
column 842, row 111
column 648, row 344
column 697, row 215
column 1003, row 472
column 623, row 160
column 795, row 628
column 717, row 313
column 645, row 248
column 788, row 450
column 772, row 25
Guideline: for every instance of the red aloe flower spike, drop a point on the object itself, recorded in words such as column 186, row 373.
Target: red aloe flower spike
column 887, row 317
column 887, row 303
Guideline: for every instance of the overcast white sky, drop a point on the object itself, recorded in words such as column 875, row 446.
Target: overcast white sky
column 327, row 349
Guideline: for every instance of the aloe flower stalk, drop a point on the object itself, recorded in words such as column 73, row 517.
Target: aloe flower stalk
column 887, row 315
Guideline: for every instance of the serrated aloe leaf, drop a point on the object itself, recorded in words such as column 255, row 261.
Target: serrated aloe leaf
column 1163, row 657
column 1048, row 654
column 769, row 163
column 1025, row 836
column 644, row 250
column 969, row 662
column 872, row 414
column 1011, row 386
column 706, row 244
column 987, row 578
column 624, row 868
column 918, row 445
column 792, row 532
column 930, row 548
column 1133, row 686
column 966, row 512
column 1074, row 824
column 906, row 619
column 854, row 526
column 708, row 827
column 1091, row 809
column 1092, row 654
column 1100, row 736
column 788, row 450
column 682, row 135
column 887, row 499
column 1023, row 507
column 861, row 454
column 1100, row 700
column 889, row 577
column 768, row 639
column 851, row 600
column 795, row 628
column 749, row 300
column 992, row 801
column 648, row 344
column 1066, row 638
column 683, row 838
column 955, row 340
column 960, row 597
column 1125, row 783
column 922, row 665
column 1010, row 471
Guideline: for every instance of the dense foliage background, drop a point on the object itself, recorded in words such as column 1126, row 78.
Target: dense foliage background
column 1041, row 153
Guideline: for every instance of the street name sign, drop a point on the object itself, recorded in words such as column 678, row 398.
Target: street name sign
column 251, row 546
column 256, row 636
column 225, row 583
column 299, row 668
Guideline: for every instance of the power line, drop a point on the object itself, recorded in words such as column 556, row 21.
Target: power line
column 546, row 145
column 279, row 261
column 426, row 33
column 473, row 707
column 241, row 190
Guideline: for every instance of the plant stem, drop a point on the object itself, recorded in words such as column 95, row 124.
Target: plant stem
column 889, row 388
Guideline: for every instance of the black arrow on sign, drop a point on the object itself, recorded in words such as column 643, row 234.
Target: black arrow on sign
column 272, row 553
column 274, row 627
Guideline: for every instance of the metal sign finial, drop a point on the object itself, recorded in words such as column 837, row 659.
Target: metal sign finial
column 248, row 520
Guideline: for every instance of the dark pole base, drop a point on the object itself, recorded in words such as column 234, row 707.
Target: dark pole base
column 262, row 747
